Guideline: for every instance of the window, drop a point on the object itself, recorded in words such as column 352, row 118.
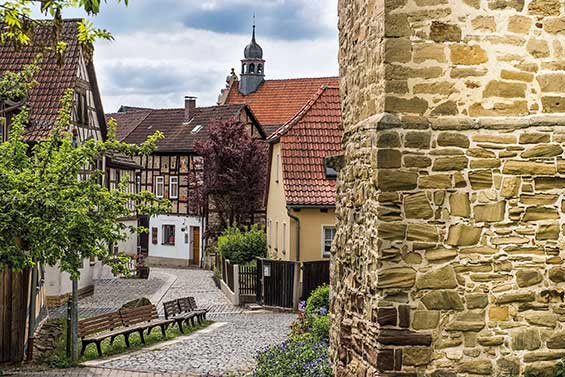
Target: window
column 328, row 234
column 276, row 235
column 138, row 182
column 251, row 68
column 196, row 129
column 160, row 187
column 284, row 238
column 260, row 68
column 168, row 235
column 278, row 169
column 174, row 187
column 81, row 108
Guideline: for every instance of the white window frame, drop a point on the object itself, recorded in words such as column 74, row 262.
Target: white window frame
column 276, row 235
column 284, row 238
column 165, row 242
column 173, row 181
column 160, row 184
column 323, row 238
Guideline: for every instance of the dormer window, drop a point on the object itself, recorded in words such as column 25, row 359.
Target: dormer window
column 329, row 170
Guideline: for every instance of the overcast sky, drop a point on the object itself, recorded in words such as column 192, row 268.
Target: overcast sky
column 166, row 49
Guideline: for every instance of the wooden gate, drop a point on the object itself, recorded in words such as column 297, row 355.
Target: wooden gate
column 277, row 286
column 314, row 274
column 14, row 289
column 247, row 279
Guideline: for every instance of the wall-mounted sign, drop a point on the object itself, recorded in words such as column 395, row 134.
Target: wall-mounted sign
column 267, row 270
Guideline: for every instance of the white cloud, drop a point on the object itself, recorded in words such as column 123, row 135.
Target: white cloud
column 201, row 60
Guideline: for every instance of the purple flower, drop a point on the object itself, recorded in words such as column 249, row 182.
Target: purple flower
column 323, row 311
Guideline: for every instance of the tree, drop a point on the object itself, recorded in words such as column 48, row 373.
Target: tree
column 54, row 208
column 18, row 26
column 234, row 174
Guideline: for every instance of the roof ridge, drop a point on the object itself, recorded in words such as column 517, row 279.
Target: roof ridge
column 301, row 78
column 299, row 115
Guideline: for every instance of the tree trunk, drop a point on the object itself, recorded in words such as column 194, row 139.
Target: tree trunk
column 74, row 321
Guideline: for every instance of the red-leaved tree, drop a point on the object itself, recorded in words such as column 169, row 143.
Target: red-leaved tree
column 233, row 176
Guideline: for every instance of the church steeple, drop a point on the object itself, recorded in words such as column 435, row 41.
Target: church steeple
column 252, row 66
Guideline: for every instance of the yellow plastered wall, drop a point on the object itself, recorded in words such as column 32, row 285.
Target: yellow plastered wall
column 281, row 229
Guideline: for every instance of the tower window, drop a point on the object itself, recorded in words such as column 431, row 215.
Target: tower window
column 243, row 68
column 260, row 68
column 251, row 68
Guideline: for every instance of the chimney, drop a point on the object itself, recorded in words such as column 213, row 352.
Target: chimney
column 189, row 107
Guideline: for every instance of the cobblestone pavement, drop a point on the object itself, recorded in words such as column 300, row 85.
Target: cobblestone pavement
column 91, row 372
column 199, row 284
column 110, row 294
column 228, row 348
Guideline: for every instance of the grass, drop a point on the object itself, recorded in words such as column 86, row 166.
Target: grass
column 58, row 358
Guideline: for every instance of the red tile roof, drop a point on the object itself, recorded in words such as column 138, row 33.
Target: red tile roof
column 314, row 133
column 277, row 101
column 135, row 125
column 44, row 99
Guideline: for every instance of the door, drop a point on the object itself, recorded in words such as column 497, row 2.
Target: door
column 195, row 245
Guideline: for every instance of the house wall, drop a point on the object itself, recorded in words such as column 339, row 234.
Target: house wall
column 277, row 215
column 181, row 253
column 312, row 221
column 448, row 257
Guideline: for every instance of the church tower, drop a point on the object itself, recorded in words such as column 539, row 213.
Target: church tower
column 252, row 67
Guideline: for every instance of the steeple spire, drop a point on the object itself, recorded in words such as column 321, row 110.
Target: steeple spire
column 252, row 66
column 253, row 38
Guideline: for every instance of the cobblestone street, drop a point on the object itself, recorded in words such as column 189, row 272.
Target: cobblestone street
column 227, row 346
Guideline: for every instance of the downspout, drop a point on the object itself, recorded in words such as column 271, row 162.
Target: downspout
column 297, row 233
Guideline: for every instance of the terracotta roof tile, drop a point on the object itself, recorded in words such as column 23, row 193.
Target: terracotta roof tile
column 134, row 126
column 52, row 80
column 277, row 101
column 314, row 133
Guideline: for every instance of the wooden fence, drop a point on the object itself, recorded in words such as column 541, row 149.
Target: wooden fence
column 314, row 274
column 229, row 275
column 247, row 279
column 14, row 292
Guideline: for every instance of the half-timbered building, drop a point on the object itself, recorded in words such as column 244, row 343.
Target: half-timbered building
column 172, row 172
column 76, row 72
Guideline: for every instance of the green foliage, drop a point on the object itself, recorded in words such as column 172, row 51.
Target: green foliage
column 19, row 26
column 319, row 300
column 54, row 208
column 241, row 248
column 319, row 326
column 301, row 356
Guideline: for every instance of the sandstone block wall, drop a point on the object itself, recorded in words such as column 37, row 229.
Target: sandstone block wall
column 451, row 202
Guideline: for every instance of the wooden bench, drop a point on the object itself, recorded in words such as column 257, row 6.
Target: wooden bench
column 174, row 312
column 140, row 319
column 97, row 328
column 188, row 304
column 124, row 322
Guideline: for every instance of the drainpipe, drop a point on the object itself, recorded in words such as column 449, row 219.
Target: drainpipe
column 297, row 232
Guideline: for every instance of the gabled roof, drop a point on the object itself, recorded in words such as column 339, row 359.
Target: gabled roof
column 181, row 135
column 277, row 101
column 314, row 133
column 52, row 80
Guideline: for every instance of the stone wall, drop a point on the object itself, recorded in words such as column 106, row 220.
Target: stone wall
column 450, row 223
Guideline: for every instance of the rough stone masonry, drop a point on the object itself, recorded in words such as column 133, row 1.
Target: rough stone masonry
column 451, row 205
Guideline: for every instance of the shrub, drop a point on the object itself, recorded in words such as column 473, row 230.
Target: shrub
column 320, row 326
column 241, row 248
column 319, row 301
column 301, row 356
